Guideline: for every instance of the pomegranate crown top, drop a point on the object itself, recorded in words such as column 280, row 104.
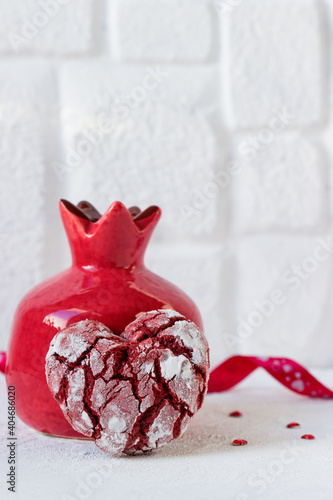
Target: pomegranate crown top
column 117, row 238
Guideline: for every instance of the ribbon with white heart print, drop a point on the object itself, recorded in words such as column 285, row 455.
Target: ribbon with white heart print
column 286, row 371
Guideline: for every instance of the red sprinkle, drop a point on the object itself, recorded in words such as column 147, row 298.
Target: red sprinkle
column 292, row 425
column 308, row 436
column 239, row 442
column 235, row 414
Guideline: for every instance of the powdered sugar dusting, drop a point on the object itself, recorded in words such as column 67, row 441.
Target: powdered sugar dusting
column 172, row 365
column 192, row 338
column 96, row 362
column 70, row 347
column 162, row 427
column 72, row 342
column 116, row 424
column 85, row 417
column 170, row 313
column 76, row 382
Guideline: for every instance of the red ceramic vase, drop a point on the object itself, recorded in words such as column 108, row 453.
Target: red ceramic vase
column 107, row 282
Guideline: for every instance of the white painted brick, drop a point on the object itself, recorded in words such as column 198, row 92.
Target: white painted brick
column 205, row 274
column 294, row 328
column 280, row 185
column 273, row 58
column 25, row 90
column 159, row 154
column 46, row 26
column 327, row 134
column 161, row 30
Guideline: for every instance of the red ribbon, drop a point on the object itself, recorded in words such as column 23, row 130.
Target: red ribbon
column 286, row 371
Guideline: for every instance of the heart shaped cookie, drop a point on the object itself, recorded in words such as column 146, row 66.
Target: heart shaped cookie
column 133, row 392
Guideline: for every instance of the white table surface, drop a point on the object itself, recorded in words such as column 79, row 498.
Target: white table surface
column 202, row 464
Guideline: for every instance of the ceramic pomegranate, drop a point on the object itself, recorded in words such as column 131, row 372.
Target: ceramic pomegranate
column 107, row 282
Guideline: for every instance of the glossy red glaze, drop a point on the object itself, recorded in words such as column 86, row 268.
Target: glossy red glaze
column 2, row 362
column 107, row 282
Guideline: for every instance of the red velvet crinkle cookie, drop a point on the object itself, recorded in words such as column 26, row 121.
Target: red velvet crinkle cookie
column 133, row 392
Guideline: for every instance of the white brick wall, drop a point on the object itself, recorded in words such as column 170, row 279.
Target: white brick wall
column 24, row 109
column 282, row 184
column 274, row 56
column 166, row 30
column 46, row 26
column 286, row 264
column 220, row 112
column 165, row 127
